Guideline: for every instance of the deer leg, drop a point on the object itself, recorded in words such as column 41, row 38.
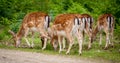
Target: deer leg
column 112, row 44
column 42, row 40
column 60, row 45
column 44, row 34
column 100, row 42
column 44, row 45
column 89, row 45
column 62, row 39
column 80, row 45
column 25, row 37
column 32, row 45
column 55, row 44
column 70, row 38
column 80, row 41
column 89, row 33
column 107, row 41
column 112, row 34
column 70, row 45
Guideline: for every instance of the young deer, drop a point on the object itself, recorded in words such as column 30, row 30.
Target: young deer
column 66, row 25
column 32, row 22
column 88, row 27
column 105, row 22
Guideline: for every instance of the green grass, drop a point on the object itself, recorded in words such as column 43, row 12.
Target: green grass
column 97, row 52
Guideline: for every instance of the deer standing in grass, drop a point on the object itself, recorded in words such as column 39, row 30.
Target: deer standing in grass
column 105, row 22
column 88, row 27
column 67, row 25
column 32, row 22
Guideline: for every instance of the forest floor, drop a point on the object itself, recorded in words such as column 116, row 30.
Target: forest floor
column 16, row 56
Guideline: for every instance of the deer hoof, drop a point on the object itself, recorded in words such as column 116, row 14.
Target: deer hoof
column 105, row 48
column 67, row 53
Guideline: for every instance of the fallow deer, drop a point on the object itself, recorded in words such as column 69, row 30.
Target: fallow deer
column 32, row 22
column 105, row 22
column 88, row 27
column 66, row 25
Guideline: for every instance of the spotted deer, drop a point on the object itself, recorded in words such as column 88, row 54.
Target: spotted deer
column 67, row 25
column 32, row 22
column 88, row 27
column 105, row 22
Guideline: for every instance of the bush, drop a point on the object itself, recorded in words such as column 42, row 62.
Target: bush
column 4, row 35
column 5, row 21
column 117, row 32
column 77, row 8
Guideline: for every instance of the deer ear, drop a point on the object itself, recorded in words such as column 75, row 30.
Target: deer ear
column 11, row 32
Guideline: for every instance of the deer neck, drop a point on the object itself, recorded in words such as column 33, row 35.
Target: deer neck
column 95, row 32
column 20, row 33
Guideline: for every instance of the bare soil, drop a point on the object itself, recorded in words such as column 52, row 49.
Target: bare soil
column 15, row 56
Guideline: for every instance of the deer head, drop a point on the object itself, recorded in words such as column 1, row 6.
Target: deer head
column 15, row 38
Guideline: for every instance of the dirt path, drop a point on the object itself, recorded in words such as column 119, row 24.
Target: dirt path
column 13, row 56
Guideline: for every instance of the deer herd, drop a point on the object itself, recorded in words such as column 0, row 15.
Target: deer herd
column 65, row 26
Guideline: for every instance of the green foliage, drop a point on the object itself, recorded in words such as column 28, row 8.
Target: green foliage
column 4, row 35
column 77, row 8
column 117, row 32
column 5, row 21
column 12, row 12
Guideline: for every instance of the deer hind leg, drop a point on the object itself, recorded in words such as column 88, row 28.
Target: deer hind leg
column 70, row 38
column 90, row 38
column 80, row 41
column 89, row 45
column 25, row 37
column 100, row 42
column 112, row 44
column 107, row 40
column 111, row 36
column 43, row 34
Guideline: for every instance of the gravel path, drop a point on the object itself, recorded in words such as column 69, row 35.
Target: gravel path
column 14, row 56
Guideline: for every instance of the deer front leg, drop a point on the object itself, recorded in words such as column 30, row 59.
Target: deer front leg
column 60, row 45
column 100, row 42
column 32, row 45
column 44, row 45
column 63, row 43
column 25, row 37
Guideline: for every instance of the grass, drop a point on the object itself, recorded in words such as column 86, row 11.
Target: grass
column 97, row 52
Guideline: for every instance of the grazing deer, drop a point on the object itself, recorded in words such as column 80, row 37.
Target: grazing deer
column 106, row 23
column 67, row 25
column 32, row 22
column 88, row 27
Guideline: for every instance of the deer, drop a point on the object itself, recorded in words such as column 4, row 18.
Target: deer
column 32, row 22
column 105, row 23
column 88, row 27
column 67, row 25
